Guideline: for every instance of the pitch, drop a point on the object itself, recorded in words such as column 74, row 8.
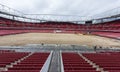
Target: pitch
column 57, row 38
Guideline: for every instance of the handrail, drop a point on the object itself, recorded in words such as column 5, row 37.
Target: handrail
column 61, row 61
column 45, row 67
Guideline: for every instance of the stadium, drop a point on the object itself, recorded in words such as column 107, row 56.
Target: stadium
column 54, row 42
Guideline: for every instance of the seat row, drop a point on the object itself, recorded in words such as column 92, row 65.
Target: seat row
column 33, row 63
column 72, row 62
column 6, row 58
column 9, row 32
column 107, row 61
column 108, row 34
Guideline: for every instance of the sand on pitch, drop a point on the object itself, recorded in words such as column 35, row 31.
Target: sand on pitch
column 53, row 38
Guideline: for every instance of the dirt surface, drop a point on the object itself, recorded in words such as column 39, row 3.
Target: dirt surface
column 50, row 38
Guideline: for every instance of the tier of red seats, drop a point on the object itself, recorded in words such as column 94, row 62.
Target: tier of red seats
column 33, row 63
column 109, row 29
column 74, row 63
column 9, row 32
column 113, row 25
column 6, row 58
column 65, row 27
column 108, row 34
column 108, row 61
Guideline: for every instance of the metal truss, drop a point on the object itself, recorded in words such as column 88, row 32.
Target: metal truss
column 10, row 13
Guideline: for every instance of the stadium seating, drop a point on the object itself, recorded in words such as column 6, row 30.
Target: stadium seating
column 114, row 25
column 108, row 34
column 33, row 63
column 108, row 29
column 6, row 58
column 74, row 63
column 10, row 32
column 108, row 61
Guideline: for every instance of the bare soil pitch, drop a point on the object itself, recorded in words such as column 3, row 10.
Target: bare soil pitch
column 51, row 38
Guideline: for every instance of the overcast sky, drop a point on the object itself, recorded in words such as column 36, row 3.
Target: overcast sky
column 66, row 7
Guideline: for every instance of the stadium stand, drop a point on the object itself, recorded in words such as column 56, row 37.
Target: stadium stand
column 11, row 61
column 74, row 63
column 10, row 32
column 47, row 27
column 108, row 29
column 7, row 57
column 33, row 63
column 108, row 61
column 108, row 34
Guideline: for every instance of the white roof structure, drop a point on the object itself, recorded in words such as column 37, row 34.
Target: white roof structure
column 8, row 12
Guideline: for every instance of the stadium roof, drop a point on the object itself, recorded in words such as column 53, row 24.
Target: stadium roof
column 61, row 10
column 64, row 7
